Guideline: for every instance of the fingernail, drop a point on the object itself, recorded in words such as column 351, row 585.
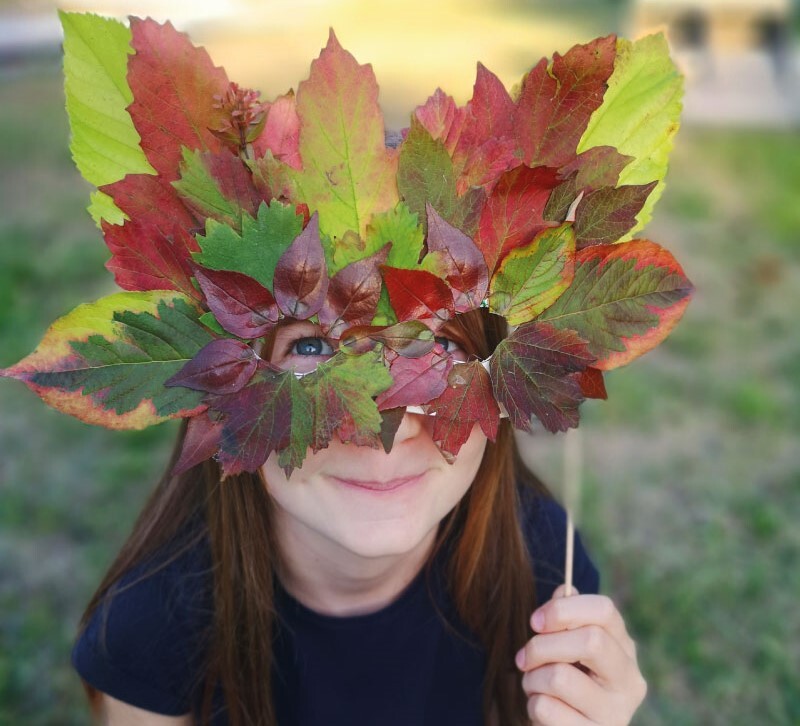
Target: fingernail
column 520, row 659
column 537, row 621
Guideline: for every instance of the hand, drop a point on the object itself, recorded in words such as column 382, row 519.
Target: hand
column 581, row 669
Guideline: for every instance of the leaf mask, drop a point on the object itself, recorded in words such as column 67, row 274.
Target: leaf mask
column 227, row 216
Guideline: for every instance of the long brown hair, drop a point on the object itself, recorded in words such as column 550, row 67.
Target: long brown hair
column 489, row 573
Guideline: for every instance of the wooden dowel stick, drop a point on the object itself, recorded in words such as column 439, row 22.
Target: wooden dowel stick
column 572, row 488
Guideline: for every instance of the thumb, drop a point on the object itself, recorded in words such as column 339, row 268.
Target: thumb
column 561, row 591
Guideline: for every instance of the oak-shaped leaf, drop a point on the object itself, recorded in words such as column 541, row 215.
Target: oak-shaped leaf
column 106, row 362
column 348, row 173
column 514, row 212
column 143, row 257
column 342, row 392
column 200, row 443
column 173, row 85
column 557, row 100
column 416, row 381
column 240, row 304
column 532, row 277
column 453, row 256
column 624, row 300
column 223, row 366
column 353, row 294
column 301, row 277
column 467, row 400
column 418, row 295
column 256, row 251
column 607, row 214
column 532, row 375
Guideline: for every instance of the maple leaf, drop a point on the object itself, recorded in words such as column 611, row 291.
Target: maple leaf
column 416, row 381
column 531, row 373
column 173, row 85
column 353, row 294
column 532, row 277
column 624, row 300
column 240, row 304
column 217, row 186
column 606, row 215
column 425, row 175
column 557, row 100
column 341, row 391
column 301, row 278
column 467, row 400
column 348, row 172
column 259, row 247
column 106, row 362
column 514, row 213
column 143, row 257
column 223, row 366
column 418, row 295
column 454, row 257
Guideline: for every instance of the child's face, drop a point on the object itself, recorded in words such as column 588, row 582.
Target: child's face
column 363, row 500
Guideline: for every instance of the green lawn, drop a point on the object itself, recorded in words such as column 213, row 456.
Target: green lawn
column 691, row 496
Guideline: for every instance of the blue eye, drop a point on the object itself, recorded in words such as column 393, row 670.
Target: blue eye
column 451, row 347
column 311, row 346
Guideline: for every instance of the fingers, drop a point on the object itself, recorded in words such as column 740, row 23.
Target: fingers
column 566, row 683
column 569, row 613
column 590, row 645
column 546, row 710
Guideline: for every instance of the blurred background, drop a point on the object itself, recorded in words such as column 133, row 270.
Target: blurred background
column 691, row 468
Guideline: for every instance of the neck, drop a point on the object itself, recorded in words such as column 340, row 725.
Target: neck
column 331, row 580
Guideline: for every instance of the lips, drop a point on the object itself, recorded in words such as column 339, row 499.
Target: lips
column 380, row 485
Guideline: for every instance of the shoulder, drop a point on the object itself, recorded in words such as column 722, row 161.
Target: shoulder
column 144, row 643
column 544, row 526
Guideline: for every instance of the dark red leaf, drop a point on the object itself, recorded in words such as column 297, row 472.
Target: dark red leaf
column 514, row 213
column 200, row 443
column 391, row 419
column 592, row 383
column 416, row 380
column 492, row 109
column 353, row 294
column 606, row 215
column 301, row 277
column 455, row 257
column 467, row 400
column 143, row 257
column 418, row 295
column 173, row 85
column 223, row 366
column 556, row 102
column 242, row 305
column 532, row 375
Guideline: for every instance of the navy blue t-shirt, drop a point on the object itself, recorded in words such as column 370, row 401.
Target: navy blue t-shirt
column 400, row 666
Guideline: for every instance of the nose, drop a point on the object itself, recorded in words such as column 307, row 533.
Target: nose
column 412, row 425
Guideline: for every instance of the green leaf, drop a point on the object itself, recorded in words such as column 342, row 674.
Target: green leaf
column 640, row 114
column 257, row 250
column 531, row 278
column 102, row 208
column 106, row 362
column 105, row 144
column 199, row 188
column 401, row 227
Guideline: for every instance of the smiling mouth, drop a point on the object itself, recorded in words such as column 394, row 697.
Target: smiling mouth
column 388, row 485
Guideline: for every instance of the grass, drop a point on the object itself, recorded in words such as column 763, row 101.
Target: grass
column 691, row 494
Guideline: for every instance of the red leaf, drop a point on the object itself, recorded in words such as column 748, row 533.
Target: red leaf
column 606, row 215
column 144, row 258
column 223, row 366
column 492, row 109
column 151, row 199
column 416, row 380
column 467, row 400
column 281, row 134
column 532, row 375
column 173, row 85
column 485, row 164
column 200, row 443
column 456, row 258
column 242, row 305
column 556, row 102
column 514, row 213
column 599, row 166
column 353, row 294
column 301, row 277
column 418, row 295
column 442, row 119
column 592, row 383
